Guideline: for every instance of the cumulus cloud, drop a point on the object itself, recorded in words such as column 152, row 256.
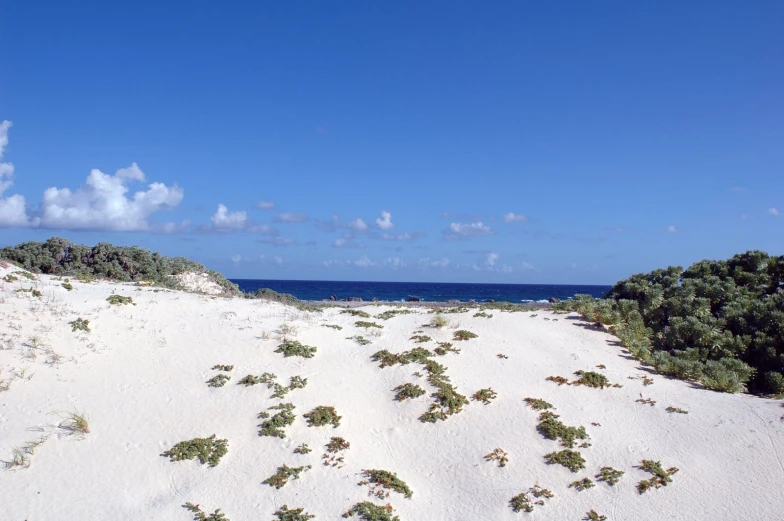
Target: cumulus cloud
column 426, row 262
column 512, row 217
column 457, row 231
column 672, row 229
column 491, row 258
column 774, row 212
column 394, row 263
column 364, row 262
column 266, row 205
column 346, row 241
column 13, row 211
column 358, row 225
column 223, row 220
column 385, row 221
column 236, row 259
column 288, row 217
column 277, row 241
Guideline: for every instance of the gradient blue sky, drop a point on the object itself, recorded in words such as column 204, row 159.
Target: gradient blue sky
column 520, row 142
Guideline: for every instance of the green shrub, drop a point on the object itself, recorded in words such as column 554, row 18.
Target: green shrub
column 408, row 390
column 387, row 480
column 218, row 380
column 294, row 348
column 438, row 321
column 283, row 474
column 28, row 276
column 386, row 315
column 482, row 314
column 119, row 300
column 355, row 313
column 297, row 514
column 323, row 415
column 67, row 286
column 553, row 429
column 297, row 382
column 538, row 404
column 591, row 379
column 462, row 334
column 249, row 380
column 444, row 348
column 591, row 515
column 367, row 511
column 207, row 450
column 333, row 326
column 676, row 410
column 420, row 339
column 560, row 380
column 366, row 324
column 80, row 324
column 274, row 426
column 660, row 477
column 609, row 475
column 220, row 367
column 303, row 449
column 571, row 459
column 485, row 395
column 199, row 515
column 498, row 455
column 359, row 339
column 10, row 278
column 523, row 502
column 582, row 484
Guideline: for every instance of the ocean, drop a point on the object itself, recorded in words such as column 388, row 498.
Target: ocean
column 427, row 291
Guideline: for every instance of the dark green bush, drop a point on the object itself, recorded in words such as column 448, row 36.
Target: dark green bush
column 295, row 348
column 367, row 511
column 553, row 429
column 660, row 477
column 297, row 514
column 207, row 450
column 571, row 459
column 323, row 415
column 274, row 426
column 408, row 390
column 283, row 474
column 199, row 515
column 387, row 480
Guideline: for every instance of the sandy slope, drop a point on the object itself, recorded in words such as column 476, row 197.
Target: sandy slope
column 140, row 377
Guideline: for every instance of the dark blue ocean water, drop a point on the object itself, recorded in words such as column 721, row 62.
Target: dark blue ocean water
column 428, row 291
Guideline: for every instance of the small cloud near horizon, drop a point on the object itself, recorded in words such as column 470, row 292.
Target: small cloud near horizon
column 458, row 231
column 265, row 205
column 672, row 229
column 384, row 222
column 289, row 217
column 512, row 217
column 774, row 212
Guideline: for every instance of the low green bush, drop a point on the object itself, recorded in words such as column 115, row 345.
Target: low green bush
column 571, row 459
column 660, row 477
column 295, row 348
column 323, row 415
column 283, row 474
column 273, row 426
column 408, row 390
column 297, row 514
column 206, row 450
column 553, row 429
column 581, row 484
column 218, row 380
column 199, row 515
column 80, row 324
column 387, row 480
column 119, row 300
column 609, row 475
column 367, row 511
column 462, row 334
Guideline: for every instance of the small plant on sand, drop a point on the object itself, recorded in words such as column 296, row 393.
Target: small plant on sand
column 609, row 475
column 420, row 339
column 502, row 356
column 571, row 459
column 386, row 315
column 303, row 449
column 284, row 473
column 553, row 429
column 279, row 391
column 76, row 423
column 294, row 348
column 333, row 458
column 591, row 515
column 482, row 314
column 408, row 390
column 219, row 367
column 498, row 455
column 199, row 515
column 581, row 484
column 286, row 329
column 355, row 313
column 523, row 502
column 538, row 404
column 591, row 379
column 273, row 426
column 119, row 300
column 676, row 410
column 10, row 278
column 323, row 415
column 334, row 326
column 67, row 285
column 367, row 511
column 485, row 396
column 366, row 324
column 207, row 450
column 249, row 380
column 297, row 514
column 359, row 339
column 382, row 481
column 438, row 321
column 297, row 382
column 20, row 459
column 218, row 380
column 646, row 401
column 660, row 477
column 444, row 348
column 28, row 276
column 560, row 380
column 80, row 324
column 647, row 381
column 462, row 334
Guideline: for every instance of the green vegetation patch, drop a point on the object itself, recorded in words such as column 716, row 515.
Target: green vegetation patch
column 483, row 315
column 119, row 300
column 303, row 449
column 249, row 380
column 591, row 515
column 553, row 429
column 67, row 285
column 80, row 324
column 297, row 514
column 355, row 313
column 499, row 455
column 591, row 379
column 283, row 474
column 386, row 315
column 221, row 367
column 10, row 278
column 359, row 339
column 444, row 348
column 273, row 426
column 676, row 410
column 366, row 324
column 295, row 348
column 367, row 511
column 660, row 477
column 408, row 390
column 199, row 515
column 334, row 326
column 420, row 339
column 582, row 484
column 571, row 459
column 538, row 404
column 207, row 450
column 323, row 415
column 485, row 395
column 218, row 380
column 386, row 480
column 462, row 334
column 609, row 475
column 525, row 501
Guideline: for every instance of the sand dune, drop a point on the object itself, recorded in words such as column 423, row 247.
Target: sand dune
column 140, row 373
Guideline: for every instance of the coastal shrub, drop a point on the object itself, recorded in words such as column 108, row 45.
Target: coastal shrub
column 523, row 502
column 220, row 367
column 323, row 415
column 80, row 324
column 498, row 455
column 10, row 278
column 367, row 511
column 581, row 484
column 199, row 515
column 660, row 477
column 553, row 429
column 386, row 480
column 538, row 404
column 249, row 380
column 273, row 426
column 119, row 300
column 646, row 401
column 560, row 380
column 485, row 395
column 67, row 286
column 297, row 382
column 420, row 339
column 591, row 515
column 591, row 379
column 333, row 326
column 303, row 449
column 676, row 410
column 366, row 324
column 609, row 475
column 571, row 459
column 297, row 514
column 408, row 390
column 218, row 380
column 355, row 313
column 359, row 339
column 462, row 334
column 482, row 314
column 206, row 450
column 444, row 348
column 283, row 474
column 333, row 458
column 294, row 348
column 439, row 321
column 386, row 315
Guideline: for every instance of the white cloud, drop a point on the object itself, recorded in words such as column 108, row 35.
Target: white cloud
column 385, row 221
column 277, row 241
column 288, row 217
column 464, row 231
column 358, row 225
column 672, row 229
column 266, row 205
column 278, row 260
column 264, row 229
column 774, row 212
column 364, row 262
column 6, row 169
column 236, row 259
column 394, row 263
column 427, row 263
column 223, row 220
column 512, row 217
column 13, row 212
column 491, row 258
column 173, row 227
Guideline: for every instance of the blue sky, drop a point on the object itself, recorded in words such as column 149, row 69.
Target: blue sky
column 518, row 142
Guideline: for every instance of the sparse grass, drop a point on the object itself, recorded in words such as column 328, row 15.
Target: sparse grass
column 283, row 474
column 367, row 325
column 609, row 475
column 303, row 449
column 591, row 379
column 80, row 324
column 386, row 315
column 647, row 381
column 439, row 321
column 219, row 367
column 359, row 339
column 323, row 415
column 76, row 423
column 273, row 426
column 294, row 348
column 571, row 459
column 420, row 339
column 67, row 285
column 538, row 404
column 553, row 429
column 334, row 326
column 199, row 515
column 523, row 502
column 207, row 450
column 485, row 395
column 287, row 329
column 498, row 455
column 676, row 410
column 367, row 511
column 28, row 276
column 119, row 300
column 660, row 477
column 355, row 313
column 19, row 459
column 408, row 390
column 582, row 484
column 591, row 515
column 218, row 380
column 462, row 334
column 483, row 314
column 383, row 479
column 297, row 514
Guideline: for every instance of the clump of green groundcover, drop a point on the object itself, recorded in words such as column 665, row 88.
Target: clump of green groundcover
column 386, row 315
column 609, row 475
column 660, row 477
column 10, row 278
column 80, row 324
column 359, row 339
column 483, row 314
column 591, row 515
column 355, row 313
column 571, row 459
column 221, row 367
column 367, row 511
column 333, row 326
column 408, row 390
column 67, row 285
column 250, row 380
column 273, row 426
column 218, row 380
column 323, row 415
column 538, row 404
column 523, row 502
column 207, row 450
column 582, row 484
column 386, row 480
column 591, row 379
column 366, row 324
column 553, row 429
column 199, row 515
column 485, row 395
column 284, row 473
column 677, row 410
column 418, row 354
column 444, row 348
column 297, row 514
column 119, row 300
column 303, row 449
column 420, row 339
column 295, row 348
column 297, row 382
column 462, row 334
column 333, row 458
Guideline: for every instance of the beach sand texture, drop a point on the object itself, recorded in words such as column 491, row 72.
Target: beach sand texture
column 139, row 375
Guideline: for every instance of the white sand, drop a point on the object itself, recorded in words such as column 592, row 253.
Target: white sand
column 140, row 374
